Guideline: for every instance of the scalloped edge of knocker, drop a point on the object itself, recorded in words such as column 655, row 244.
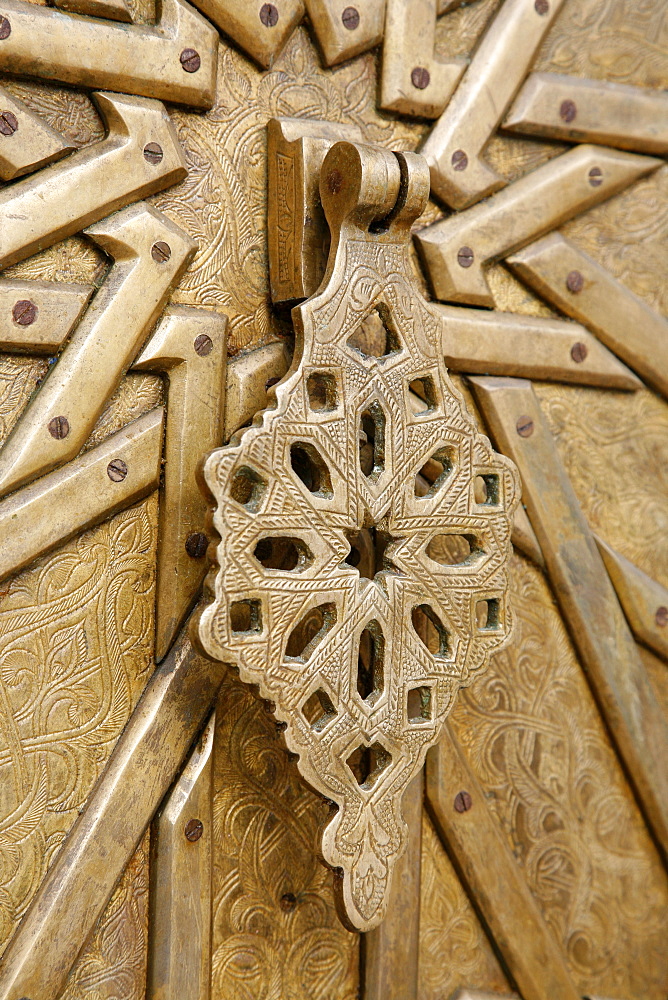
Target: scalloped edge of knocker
column 369, row 195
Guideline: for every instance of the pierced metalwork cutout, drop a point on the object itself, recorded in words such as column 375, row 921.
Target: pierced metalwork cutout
column 337, row 590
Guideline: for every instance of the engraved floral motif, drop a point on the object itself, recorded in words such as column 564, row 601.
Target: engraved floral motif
column 276, row 931
column 533, row 734
column 75, row 653
column 453, row 946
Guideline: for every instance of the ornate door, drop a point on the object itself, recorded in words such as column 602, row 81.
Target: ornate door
column 333, row 500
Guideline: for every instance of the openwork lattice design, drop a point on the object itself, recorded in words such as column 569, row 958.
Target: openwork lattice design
column 365, row 529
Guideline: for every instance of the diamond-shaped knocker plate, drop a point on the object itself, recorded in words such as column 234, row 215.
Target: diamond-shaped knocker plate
column 364, row 529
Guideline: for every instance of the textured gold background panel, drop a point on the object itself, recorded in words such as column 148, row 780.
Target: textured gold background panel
column 75, row 653
column 534, row 737
column 76, row 640
column 112, row 965
column 276, row 933
column 454, row 949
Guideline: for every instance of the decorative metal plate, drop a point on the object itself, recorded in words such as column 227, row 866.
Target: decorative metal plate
column 364, row 529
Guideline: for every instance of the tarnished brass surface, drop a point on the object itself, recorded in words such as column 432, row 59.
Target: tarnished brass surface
column 455, row 250
column 179, row 964
column 335, row 393
column 94, row 181
column 645, row 602
column 115, row 10
column 413, row 82
column 260, row 33
column 524, row 537
column 563, row 107
column 454, row 147
column 344, row 29
column 189, row 345
column 60, row 415
column 108, row 478
column 492, row 876
column 249, row 378
column 392, row 951
column 581, row 288
column 26, row 141
column 555, row 785
column 99, row 846
column 76, row 628
column 496, row 343
column 36, row 317
column 297, row 232
column 133, row 59
column 276, row 931
column 585, row 592
column 454, row 948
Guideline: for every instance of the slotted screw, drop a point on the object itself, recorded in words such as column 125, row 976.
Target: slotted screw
column 24, row 312
column 5, row 28
column 59, row 427
column 595, row 177
column 196, row 544
column 350, row 18
column 153, row 152
column 194, row 830
column 203, row 345
column 463, row 802
column 190, row 60
column 8, row 123
column 465, row 256
column 117, row 470
column 420, row 77
column 524, row 426
column 268, row 15
column 542, row 6
column 579, row 351
column 459, row 160
column 568, row 110
column 661, row 616
column 288, row 902
column 160, row 252
column 574, row 282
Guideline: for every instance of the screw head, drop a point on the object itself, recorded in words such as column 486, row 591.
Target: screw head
column 459, row 160
column 463, row 802
column 196, row 544
column 190, row 60
column 59, row 427
column 661, row 616
column 288, row 902
column 160, row 252
column 268, row 15
column 350, row 18
column 420, row 77
column 465, row 256
column 335, row 181
column 5, row 28
column 579, row 351
column 524, row 426
column 542, row 6
column 203, row 345
column 568, row 110
column 574, row 282
column 117, row 470
column 194, row 829
column 153, row 152
column 595, row 177
column 24, row 312
column 8, row 123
